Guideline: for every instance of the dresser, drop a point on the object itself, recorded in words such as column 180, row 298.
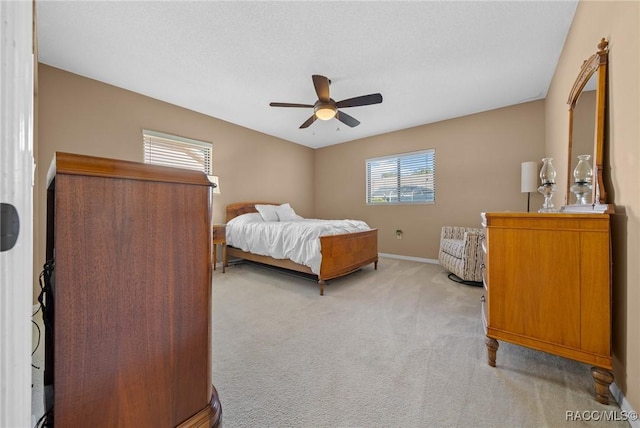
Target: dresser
column 128, row 306
column 547, row 281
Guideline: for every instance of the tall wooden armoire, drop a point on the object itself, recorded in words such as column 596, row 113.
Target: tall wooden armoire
column 128, row 336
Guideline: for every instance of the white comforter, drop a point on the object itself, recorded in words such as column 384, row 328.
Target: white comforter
column 295, row 240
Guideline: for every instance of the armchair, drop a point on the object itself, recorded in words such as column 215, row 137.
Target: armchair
column 461, row 252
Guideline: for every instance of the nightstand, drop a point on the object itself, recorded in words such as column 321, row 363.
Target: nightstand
column 219, row 237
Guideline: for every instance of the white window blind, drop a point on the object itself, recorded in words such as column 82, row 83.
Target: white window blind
column 179, row 152
column 407, row 178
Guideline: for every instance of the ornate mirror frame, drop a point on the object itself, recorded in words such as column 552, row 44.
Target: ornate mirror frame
column 597, row 63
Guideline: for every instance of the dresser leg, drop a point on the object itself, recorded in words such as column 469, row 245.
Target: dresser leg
column 602, row 380
column 492, row 348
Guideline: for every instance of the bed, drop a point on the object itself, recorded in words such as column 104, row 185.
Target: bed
column 341, row 254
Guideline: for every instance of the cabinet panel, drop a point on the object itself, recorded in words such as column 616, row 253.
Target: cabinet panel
column 529, row 291
column 596, row 299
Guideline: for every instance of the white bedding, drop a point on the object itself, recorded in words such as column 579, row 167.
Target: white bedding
column 296, row 240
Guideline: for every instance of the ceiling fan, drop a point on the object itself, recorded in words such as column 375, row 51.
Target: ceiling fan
column 326, row 108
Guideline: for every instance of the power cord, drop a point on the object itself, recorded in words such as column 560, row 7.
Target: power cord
column 45, row 281
column 37, row 343
column 44, row 421
column 455, row 278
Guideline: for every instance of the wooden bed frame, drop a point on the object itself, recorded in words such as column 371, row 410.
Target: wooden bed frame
column 341, row 254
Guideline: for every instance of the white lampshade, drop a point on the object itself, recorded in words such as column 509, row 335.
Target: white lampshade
column 214, row 180
column 529, row 177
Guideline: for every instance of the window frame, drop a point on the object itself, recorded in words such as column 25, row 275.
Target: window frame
column 402, row 183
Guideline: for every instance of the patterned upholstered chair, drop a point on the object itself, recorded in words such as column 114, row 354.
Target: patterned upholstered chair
column 461, row 252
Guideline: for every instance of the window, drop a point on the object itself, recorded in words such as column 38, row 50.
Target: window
column 179, row 152
column 408, row 178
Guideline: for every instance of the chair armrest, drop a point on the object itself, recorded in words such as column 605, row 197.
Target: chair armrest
column 471, row 233
column 473, row 255
column 473, row 241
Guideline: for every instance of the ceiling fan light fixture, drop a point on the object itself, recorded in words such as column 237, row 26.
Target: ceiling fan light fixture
column 325, row 111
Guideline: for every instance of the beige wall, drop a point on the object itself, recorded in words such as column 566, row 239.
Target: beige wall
column 619, row 22
column 80, row 115
column 478, row 161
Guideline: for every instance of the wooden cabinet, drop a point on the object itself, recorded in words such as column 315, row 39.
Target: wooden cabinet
column 130, row 339
column 547, row 287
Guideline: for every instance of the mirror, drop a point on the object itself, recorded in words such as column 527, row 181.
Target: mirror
column 583, row 143
column 586, row 129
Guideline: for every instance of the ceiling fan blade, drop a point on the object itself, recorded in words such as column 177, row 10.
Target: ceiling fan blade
column 289, row 105
column 308, row 122
column 321, row 84
column 347, row 120
column 363, row 100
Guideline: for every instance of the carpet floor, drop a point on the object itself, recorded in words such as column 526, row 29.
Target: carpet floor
column 402, row 346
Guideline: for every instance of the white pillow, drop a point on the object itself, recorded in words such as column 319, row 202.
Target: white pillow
column 246, row 218
column 268, row 212
column 286, row 213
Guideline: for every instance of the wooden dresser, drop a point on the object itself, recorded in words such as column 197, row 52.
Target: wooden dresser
column 129, row 337
column 547, row 282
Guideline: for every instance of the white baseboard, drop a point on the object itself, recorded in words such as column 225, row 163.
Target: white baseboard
column 624, row 404
column 413, row 259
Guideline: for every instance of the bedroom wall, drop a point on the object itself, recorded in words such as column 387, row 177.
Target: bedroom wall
column 80, row 115
column 478, row 161
column 619, row 22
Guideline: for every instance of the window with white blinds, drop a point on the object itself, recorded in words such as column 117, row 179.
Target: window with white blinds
column 179, row 152
column 408, row 178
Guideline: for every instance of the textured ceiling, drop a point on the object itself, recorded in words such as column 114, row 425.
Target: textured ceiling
column 430, row 60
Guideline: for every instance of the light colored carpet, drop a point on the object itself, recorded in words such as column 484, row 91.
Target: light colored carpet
column 402, row 346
